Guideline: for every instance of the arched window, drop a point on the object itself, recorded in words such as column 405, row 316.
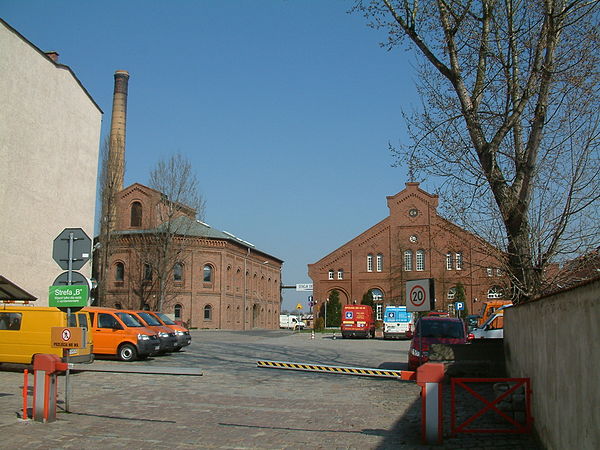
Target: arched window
column 448, row 261
column 459, row 261
column 420, row 263
column 495, row 292
column 177, row 311
column 340, row 274
column 119, row 271
column 178, row 272
column 369, row 263
column 379, row 262
column 408, row 257
column 147, row 272
column 208, row 273
column 118, row 306
column 208, row 312
column 377, row 295
column 136, row 214
column 146, row 307
column 330, row 274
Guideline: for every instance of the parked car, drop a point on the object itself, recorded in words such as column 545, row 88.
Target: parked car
column 397, row 321
column 471, row 322
column 166, row 336
column 438, row 313
column 26, row 331
column 434, row 330
column 357, row 321
column 181, row 333
column 291, row 322
column 488, row 308
column 117, row 333
column 493, row 328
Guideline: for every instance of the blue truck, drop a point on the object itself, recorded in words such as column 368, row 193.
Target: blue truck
column 396, row 322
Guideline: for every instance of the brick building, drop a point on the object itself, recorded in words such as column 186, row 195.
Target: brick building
column 413, row 242
column 217, row 280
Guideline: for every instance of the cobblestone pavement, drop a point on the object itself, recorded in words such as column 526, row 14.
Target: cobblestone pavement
column 236, row 405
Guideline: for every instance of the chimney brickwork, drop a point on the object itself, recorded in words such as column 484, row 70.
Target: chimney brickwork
column 118, row 126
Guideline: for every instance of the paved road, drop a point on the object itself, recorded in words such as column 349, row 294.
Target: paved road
column 237, row 405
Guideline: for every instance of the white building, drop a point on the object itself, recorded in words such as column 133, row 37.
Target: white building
column 49, row 143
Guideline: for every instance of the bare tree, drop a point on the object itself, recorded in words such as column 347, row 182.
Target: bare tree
column 162, row 250
column 111, row 170
column 509, row 120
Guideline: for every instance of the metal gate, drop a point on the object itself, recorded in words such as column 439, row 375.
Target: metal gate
column 506, row 405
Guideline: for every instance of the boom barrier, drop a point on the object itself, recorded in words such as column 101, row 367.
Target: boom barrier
column 405, row 375
column 429, row 377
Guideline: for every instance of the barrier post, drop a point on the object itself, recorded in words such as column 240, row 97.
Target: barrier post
column 25, row 393
column 45, row 391
column 430, row 377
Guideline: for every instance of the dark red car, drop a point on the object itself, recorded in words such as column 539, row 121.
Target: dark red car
column 434, row 330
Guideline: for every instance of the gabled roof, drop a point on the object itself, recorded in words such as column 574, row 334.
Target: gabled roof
column 148, row 191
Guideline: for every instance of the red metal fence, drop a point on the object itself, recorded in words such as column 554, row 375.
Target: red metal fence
column 506, row 405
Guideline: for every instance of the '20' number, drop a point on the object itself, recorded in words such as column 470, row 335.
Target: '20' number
column 417, row 296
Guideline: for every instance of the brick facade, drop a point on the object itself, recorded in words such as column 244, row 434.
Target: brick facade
column 413, row 242
column 225, row 300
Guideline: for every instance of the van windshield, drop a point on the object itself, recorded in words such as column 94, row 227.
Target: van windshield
column 150, row 319
column 440, row 329
column 491, row 319
column 129, row 320
column 165, row 318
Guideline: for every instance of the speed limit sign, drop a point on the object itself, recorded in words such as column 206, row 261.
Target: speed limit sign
column 420, row 295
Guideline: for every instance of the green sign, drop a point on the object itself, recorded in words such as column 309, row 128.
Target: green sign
column 68, row 296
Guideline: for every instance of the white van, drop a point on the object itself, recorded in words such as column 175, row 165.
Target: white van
column 290, row 322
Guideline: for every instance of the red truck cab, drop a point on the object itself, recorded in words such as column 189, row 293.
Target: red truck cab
column 358, row 321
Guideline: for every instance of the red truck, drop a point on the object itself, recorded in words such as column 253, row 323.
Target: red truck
column 358, row 321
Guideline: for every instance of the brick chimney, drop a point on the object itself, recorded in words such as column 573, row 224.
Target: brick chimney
column 53, row 56
column 117, row 127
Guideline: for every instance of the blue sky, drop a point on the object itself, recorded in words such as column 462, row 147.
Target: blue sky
column 284, row 108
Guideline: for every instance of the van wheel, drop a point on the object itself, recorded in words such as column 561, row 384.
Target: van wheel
column 127, row 352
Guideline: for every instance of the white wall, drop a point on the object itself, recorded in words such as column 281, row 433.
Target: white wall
column 555, row 342
column 49, row 142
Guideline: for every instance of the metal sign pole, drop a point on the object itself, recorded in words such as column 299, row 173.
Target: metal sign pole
column 78, row 253
column 68, row 351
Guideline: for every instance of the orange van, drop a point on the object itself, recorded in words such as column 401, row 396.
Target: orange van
column 182, row 333
column 166, row 336
column 118, row 333
column 488, row 308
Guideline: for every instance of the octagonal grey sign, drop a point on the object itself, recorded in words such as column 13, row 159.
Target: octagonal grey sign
column 82, row 248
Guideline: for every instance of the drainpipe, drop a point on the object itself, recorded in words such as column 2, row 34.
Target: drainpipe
column 245, row 285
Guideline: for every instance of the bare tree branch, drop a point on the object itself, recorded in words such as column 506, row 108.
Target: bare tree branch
column 509, row 119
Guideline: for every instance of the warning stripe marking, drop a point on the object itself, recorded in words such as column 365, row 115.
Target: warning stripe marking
column 397, row 374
